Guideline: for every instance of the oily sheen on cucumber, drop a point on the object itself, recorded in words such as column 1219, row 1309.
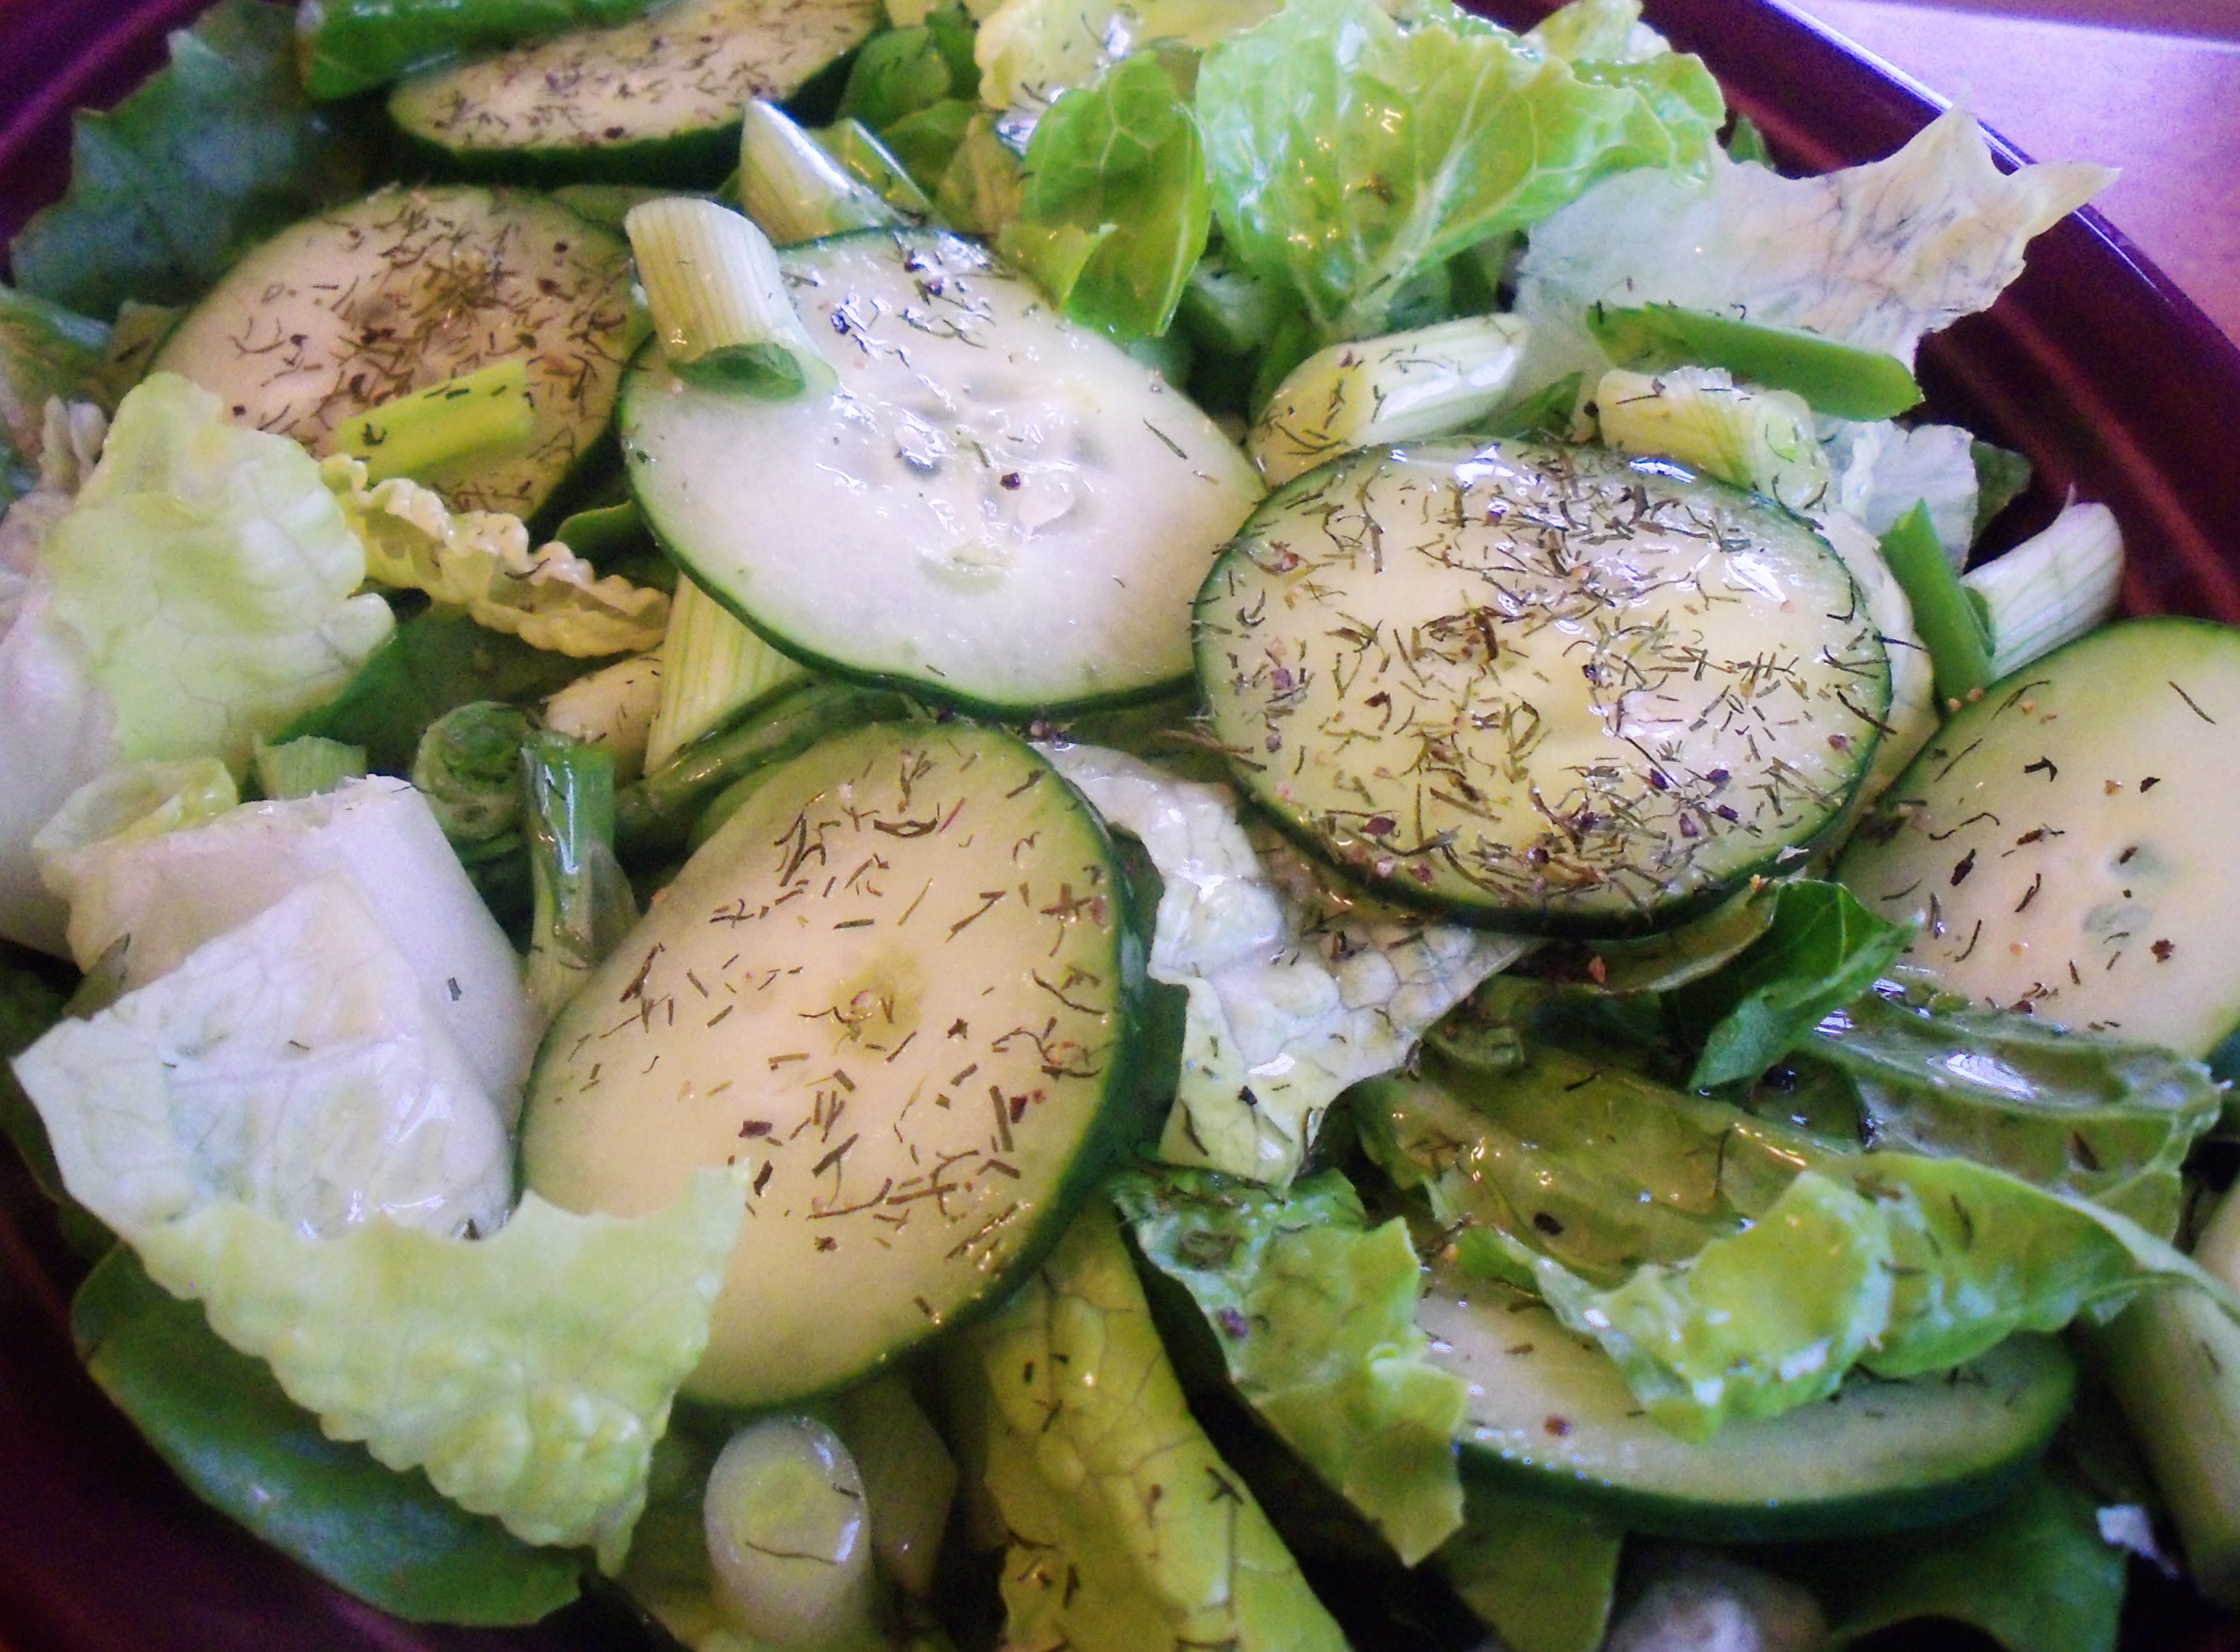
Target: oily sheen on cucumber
column 408, row 289
column 996, row 507
column 900, row 992
column 2067, row 843
column 655, row 100
column 1550, row 1416
column 1548, row 688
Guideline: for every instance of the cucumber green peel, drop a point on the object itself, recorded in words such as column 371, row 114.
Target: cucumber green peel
column 1835, row 378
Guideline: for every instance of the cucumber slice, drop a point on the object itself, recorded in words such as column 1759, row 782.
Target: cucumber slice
column 900, row 992
column 1550, row 1416
column 2066, row 842
column 410, row 287
column 996, row 505
column 655, row 100
column 1551, row 689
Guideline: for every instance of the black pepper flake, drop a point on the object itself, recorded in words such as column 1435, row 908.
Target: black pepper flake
column 1379, row 825
column 2044, row 765
column 1966, row 865
column 1233, row 1320
column 1011, row 480
column 2161, row 949
column 751, row 1128
column 2151, row 782
column 1558, row 1425
column 1547, row 1223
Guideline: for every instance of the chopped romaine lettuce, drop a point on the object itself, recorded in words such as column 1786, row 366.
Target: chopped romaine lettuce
column 480, row 560
column 1032, row 52
column 292, row 1065
column 1823, row 951
column 164, row 893
column 1296, row 990
column 1114, row 209
column 204, row 160
column 220, row 1420
column 1127, row 1530
column 1891, row 1261
column 1352, row 151
column 1881, row 471
column 1873, row 256
column 197, row 592
column 2034, row 1573
column 1314, row 1314
column 1535, row 1573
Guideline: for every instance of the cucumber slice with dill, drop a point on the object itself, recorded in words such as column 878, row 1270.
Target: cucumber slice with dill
column 1549, row 1415
column 1551, row 689
column 656, row 99
column 2067, row 843
column 408, row 289
column 996, row 507
column 902, row 992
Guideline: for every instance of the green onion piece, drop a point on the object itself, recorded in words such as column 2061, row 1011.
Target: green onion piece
column 468, row 769
column 479, row 413
column 1832, row 378
column 2172, row 1359
column 794, row 189
column 1386, row 389
column 1754, row 438
column 307, row 767
column 871, row 162
column 1945, row 616
column 711, row 667
column 583, row 903
column 2052, row 588
column 658, row 815
column 720, row 307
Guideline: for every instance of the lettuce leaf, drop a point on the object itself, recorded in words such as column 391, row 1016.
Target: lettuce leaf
column 1823, row 951
column 1351, row 151
column 293, row 1065
column 1535, row 1573
column 480, row 560
column 1298, row 988
column 1881, row 471
column 207, row 158
column 220, row 1420
column 352, row 46
column 1127, row 1530
column 1114, row 207
column 1032, row 52
column 1873, row 256
column 1314, row 1314
column 2080, row 1115
column 169, row 883
column 195, row 593
column 2034, row 1573
column 46, row 353
column 1891, row 1261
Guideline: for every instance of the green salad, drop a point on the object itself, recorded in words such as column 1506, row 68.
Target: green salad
column 1109, row 825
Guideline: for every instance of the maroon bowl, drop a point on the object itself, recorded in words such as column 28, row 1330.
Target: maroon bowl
column 2093, row 364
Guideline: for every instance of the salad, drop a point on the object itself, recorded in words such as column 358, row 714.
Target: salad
column 1067, row 824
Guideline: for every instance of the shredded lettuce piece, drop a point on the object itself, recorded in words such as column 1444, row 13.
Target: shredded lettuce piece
column 1113, row 208
column 480, row 560
column 1295, row 991
column 1469, row 130
column 46, row 355
column 1881, row 471
column 283, row 1132
column 1873, row 256
column 160, row 894
column 292, row 1065
column 1032, row 52
column 205, row 159
column 1890, row 1262
column 195, row 593
column 352, row 46
column 1314, row 1314
column 1127, row 1530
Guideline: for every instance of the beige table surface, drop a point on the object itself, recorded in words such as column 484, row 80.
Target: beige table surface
column 2151, row 86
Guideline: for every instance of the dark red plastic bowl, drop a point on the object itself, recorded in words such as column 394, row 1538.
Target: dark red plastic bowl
column 2093, row 364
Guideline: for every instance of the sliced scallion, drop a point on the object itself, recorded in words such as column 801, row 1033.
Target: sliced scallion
column 720, row 308
column 2052, row 588
column 793, row 188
